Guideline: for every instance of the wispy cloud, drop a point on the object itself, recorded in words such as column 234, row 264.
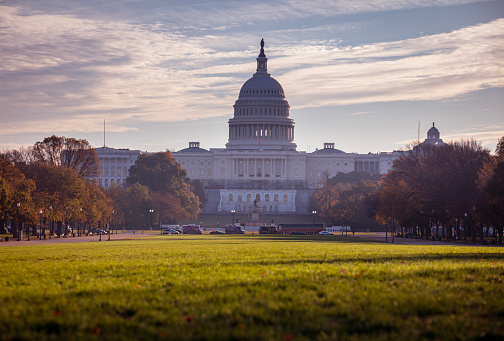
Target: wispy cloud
column 66, row 72
column 426, row 68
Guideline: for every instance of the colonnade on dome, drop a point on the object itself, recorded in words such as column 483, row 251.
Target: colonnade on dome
column 261, row 131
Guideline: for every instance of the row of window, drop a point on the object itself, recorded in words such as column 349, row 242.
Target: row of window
column 120, row 171
column 112, row 182
column 261, row 91
column 260, row 111
column 258, row 197
column 124, row 160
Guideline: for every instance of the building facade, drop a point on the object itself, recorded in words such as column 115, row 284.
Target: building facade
column 115, row 165
column 260, row 161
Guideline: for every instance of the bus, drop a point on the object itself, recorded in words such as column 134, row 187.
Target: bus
column 268, row 230
column 234, row 229
column 191, row 229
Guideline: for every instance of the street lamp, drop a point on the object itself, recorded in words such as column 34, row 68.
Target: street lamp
column 465, row 227
column 314, row 215
column 152, row 217
column 40, row 232
column 233, row 213
column 456, row 232
column 50, row 222
column 20, row 231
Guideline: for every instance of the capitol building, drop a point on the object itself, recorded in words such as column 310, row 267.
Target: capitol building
column 260, row 160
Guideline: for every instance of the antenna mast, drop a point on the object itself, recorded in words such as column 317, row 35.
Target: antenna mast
column 418, row 138
column 104, row 133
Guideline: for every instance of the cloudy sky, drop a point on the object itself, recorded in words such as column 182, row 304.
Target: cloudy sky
column 361, row 74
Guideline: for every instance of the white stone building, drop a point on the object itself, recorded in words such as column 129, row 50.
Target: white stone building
column 115, row 165
column 260, row 160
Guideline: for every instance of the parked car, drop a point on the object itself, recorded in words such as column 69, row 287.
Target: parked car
column 326, row 233
column 216, row 232
column 167, row 231
column 298, row 233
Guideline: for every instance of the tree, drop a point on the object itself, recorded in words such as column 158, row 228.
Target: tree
column 14, row 189
column 325, row 201
column 163, row 175
column 353, row 177
column 492, row 181
column 436, row 185
column 136, row 205
column 71, row 153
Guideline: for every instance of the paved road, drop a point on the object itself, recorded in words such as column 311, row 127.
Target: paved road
column 95, row 238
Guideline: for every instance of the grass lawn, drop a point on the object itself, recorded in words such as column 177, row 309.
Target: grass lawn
column 250, row 287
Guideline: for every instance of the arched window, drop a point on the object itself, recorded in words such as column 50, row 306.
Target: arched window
column 230, row 197
column 285, row 197
column 249, row 197
column 258, row 197
column 239, row 197
column 266, row 197
column 275, row 197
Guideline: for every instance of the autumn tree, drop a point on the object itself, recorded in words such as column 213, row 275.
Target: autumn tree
column 434, row 185
column 15, row 196
column 71, row 153
column 163, row 175
column 493, row 184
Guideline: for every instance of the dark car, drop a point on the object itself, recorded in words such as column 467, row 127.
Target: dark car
column 216, row 232
column 298, row 233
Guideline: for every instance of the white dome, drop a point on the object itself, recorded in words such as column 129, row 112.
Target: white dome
column 261, row 86
column 261, row 113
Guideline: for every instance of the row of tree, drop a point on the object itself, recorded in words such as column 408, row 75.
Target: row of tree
column 50, row 184
column 458, row 185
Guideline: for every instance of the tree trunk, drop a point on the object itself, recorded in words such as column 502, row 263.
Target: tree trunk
column 59, row 226
column 3, row 230
column 14, row 229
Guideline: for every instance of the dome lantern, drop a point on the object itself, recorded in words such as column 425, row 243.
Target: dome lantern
column 262, row 62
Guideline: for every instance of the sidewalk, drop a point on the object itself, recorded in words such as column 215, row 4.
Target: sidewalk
column 83, row 239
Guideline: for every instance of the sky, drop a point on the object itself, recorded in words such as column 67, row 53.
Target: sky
column 161, row 73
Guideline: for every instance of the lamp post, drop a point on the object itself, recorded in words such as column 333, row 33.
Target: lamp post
column 465, row 227
column 20, row 230
column 108, row 228
column 79, row 226
column 40, row 232
column 393, row 230
column 50, row 222
column 232, row 219
column 152, row 217
column 314, row 216
column 456, row 232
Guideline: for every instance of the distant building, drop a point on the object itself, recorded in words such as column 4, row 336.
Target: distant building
column 115, row 164
column 433, row 137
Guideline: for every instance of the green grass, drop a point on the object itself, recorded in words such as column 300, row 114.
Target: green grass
column 250, row 288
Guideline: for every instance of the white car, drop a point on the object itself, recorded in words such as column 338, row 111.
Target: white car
column 325, row 233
